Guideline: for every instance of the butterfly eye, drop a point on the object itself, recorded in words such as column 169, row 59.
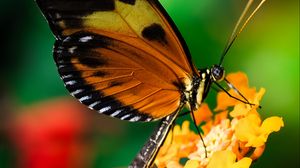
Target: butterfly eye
column 217, row 73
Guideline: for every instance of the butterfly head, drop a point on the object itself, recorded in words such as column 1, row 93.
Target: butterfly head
column 217, row 73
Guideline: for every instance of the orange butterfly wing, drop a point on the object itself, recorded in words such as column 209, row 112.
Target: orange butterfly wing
column 123, row 58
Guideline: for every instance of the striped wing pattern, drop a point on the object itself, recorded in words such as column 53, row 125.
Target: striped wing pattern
column 123, row 58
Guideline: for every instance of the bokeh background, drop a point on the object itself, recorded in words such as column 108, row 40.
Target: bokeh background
column 42, row 126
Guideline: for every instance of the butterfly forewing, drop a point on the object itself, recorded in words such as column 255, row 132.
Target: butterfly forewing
column 123, row 58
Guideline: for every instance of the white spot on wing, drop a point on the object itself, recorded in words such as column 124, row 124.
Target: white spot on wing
column 84, row 98
column 72, row 49
column 66, row 76
column 61, row 66
column 76, row 92
column 94, row 104
column 116, row 113
column 72, row 82
column 67, row 39
column 104, row 109
column 85, row 39
column 136, row 118
column 125, row 116
column 58, row 16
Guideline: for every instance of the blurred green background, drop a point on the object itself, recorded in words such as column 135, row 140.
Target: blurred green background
column 268, row 51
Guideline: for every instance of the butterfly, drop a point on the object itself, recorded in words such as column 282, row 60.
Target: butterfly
column 127, row 59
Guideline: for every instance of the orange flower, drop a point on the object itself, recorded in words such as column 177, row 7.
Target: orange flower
column 253, row 132
column 179, row 144
column 203, row 114
column 219, row 138
column 228, row 139
column 227, row 159
column 240, row 81
column 241, row 109
column 192, row 164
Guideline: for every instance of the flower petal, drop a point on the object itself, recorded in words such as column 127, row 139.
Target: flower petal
column 259, row 95
column 226, row 159
column 239, row 110
column 272, row 124
column 227, row 139
column 222, row 159
column 258, row 152
column 250, row 130
column 203, row 113
column 238, row 79
column 185, row 128
column 224, row 101
column 173, row 164
column 220, row 116
column 243, row 163
column 192, row 164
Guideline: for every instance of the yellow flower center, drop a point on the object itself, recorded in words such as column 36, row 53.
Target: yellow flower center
column 219, row 138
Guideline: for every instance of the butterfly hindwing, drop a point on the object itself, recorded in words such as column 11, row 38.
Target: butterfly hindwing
column 115, row 81
column 123, row 58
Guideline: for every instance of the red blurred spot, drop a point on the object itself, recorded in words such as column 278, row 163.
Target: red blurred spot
column 52, row 135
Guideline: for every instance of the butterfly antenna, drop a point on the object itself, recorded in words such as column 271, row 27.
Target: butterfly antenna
column 235, row 32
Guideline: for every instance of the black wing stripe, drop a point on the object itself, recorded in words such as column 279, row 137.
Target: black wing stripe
column 99, row 41
column 104, row 104
column 91, row 97
column 88, row 96
column 134, row 118
column 55, row 9
column 75, row 86
column 113, row 108
column 77, row 5
column 129, row 111
column 73, row 80
column 69, row 69
column 175, row 29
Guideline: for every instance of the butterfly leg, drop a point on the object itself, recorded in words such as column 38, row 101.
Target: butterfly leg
column 236, row 90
